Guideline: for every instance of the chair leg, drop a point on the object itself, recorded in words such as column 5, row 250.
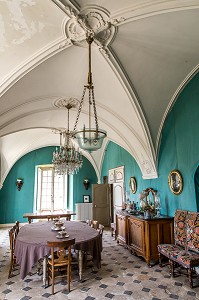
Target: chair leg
column 68, row 276
column 53, row 280
column 190, row 277
column 160, row 259
column 10, row 268
column 171, row 264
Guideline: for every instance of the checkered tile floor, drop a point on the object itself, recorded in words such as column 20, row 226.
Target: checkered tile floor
column 122, row 276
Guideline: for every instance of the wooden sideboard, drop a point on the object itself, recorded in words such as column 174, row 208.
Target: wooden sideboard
column 141, row 236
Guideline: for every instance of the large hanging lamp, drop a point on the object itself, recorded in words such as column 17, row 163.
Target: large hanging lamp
column 89, row 139
column 68, row 159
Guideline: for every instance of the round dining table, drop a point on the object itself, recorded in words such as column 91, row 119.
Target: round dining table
column 31, row 244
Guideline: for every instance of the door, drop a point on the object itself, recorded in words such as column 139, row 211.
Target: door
column 118, row 197
column 51, row 190
column 101, row 199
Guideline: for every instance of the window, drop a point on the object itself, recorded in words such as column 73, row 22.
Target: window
column 51, row 189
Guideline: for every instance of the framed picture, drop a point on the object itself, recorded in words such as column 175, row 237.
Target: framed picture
column 175, row 182
column 86, row 198
column 119, row 174
column 133, row 185
column 111, row 176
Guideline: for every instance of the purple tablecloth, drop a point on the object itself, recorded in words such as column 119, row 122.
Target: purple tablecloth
column 31, row 242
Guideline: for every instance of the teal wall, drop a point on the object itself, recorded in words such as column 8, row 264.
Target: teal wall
column 179, row 150
column 14, row 203
column 122, row 158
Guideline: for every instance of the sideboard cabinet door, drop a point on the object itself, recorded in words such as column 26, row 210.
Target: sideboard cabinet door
column 121, row 229
column 136, row 236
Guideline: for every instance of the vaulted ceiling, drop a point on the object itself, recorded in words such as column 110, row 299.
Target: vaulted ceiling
column 143, row 55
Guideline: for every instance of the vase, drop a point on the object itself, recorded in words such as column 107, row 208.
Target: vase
column 147, row 214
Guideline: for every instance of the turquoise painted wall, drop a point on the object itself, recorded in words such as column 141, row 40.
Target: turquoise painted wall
column 14, row 203
column 122, row 158
column 179, row 150
column 78, row 187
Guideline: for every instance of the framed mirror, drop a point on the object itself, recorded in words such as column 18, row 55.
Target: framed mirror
column 175, row 182
column 133, row 185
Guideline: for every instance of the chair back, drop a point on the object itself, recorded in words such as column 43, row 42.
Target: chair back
column 13, row 232
column 101, row 229
column 193, row 231
column 58, row 250
column 180, row 228
column 93, row 223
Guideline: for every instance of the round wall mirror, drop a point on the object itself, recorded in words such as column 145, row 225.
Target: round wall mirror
column 175, row 182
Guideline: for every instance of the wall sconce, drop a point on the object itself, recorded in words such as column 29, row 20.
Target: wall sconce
column 19, row 183
column 86, row 183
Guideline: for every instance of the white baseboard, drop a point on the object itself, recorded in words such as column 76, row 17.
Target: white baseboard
column 7, row 225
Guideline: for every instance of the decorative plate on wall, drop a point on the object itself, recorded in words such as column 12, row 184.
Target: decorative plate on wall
column 175, row 182
column 133, row 185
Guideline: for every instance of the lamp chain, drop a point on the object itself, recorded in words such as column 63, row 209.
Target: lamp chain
column 95, row 111
column 80, row 108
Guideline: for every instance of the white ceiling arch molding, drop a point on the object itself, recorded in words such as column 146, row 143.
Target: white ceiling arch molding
column 17, row 144
column 144, row 9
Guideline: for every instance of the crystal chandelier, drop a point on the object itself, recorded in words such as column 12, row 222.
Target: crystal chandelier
column 89, row 139
column 67, row 160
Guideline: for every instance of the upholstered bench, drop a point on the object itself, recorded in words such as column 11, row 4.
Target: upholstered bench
column 179, row 236
column 189, row 257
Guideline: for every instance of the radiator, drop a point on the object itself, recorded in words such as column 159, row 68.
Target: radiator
column 84, row 211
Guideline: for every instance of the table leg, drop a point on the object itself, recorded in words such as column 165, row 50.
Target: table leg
column 44, row 270
column 80, row 262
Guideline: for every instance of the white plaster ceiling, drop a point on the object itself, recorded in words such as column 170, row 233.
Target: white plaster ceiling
column 149, row 53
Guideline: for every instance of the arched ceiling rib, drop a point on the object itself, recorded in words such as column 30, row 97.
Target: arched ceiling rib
column 138, row 63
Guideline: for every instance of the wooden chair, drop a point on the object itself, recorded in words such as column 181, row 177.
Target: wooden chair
column 88, row 259
column 100, row 229
column 13, row 232
column 59, row 262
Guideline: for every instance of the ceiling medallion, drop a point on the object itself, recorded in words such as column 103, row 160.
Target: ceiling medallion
column 63, row 102
column 95, row 21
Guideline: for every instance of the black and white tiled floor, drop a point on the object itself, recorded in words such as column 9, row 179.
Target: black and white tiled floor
column 122, row 276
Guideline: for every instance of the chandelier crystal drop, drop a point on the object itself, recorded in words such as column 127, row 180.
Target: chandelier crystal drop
column 89, row 139
column 67, row 159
